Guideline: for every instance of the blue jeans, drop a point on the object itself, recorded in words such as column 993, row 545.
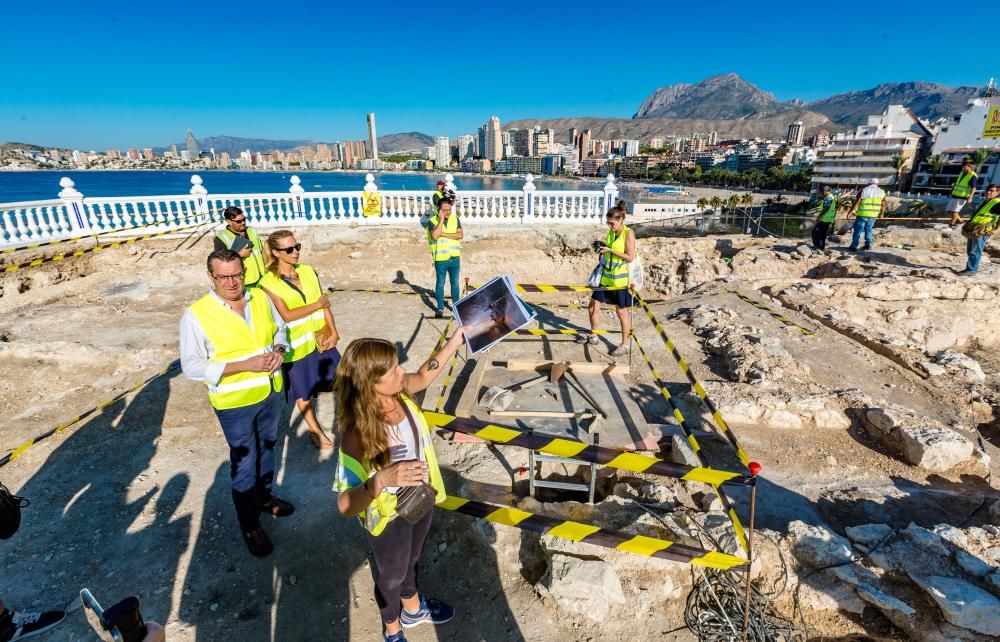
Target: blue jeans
column 862, row 224
column 251, row 432
column 449, row 269
column 974, row 248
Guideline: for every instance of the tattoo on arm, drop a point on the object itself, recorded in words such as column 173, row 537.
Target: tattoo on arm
column 433, row 364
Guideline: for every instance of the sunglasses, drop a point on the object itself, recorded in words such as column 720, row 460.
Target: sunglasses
column 291, row 248
column 239, row 220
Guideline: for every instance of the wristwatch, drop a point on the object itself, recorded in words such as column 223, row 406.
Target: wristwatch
column 281, row 348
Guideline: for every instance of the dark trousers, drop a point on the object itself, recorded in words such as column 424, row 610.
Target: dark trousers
column 449, row 269
column 251, row 433
column 819, row 233
column 397, row 551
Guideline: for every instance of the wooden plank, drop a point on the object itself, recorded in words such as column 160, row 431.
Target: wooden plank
column 583, row 367
column 470, row 393
column 551, row 414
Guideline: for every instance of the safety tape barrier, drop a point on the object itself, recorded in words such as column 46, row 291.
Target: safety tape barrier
column 569, row 331
column 376, row 291
column 695, row 383
column 589, row 534
column 523, row 288
column 776, row 315
column 727, row 505
column 17, row 452
column 572, row 449
column 98, row 248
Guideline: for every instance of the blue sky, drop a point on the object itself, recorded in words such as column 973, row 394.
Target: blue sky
column 126, row 73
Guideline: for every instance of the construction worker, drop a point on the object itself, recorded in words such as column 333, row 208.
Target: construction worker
column 438, row 195
column 242, row 239
column 827, row 214
column 233, row 340
column 962, row 192
column 980, row 227
column 868, row 206
column 444, row 235
column 617, row 252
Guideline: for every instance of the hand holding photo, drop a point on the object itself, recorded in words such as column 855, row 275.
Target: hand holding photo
column 490, row 313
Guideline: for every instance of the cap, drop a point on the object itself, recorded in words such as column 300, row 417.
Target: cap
column 440, row 183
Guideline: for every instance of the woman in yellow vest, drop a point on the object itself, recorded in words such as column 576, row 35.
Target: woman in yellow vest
column 386, row 446
column 312, row 357
column 617, row 252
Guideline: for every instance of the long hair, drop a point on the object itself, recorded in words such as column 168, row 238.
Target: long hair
column 358, row 409
column 618, row 212
column 272, row 244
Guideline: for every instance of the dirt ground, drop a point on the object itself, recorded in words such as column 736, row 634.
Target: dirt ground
column 135, row 499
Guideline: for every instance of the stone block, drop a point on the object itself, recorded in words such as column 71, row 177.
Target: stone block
column 583, row 586
column 817, row 546
column 961, row 603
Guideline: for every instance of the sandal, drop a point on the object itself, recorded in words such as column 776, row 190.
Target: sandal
column 320, row 440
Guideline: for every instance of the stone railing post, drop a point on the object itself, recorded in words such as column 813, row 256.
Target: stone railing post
column 369, row 189
column 296, row 190
column 200, row 195
column 610, row 195
column 529, row 200
column 78, row 221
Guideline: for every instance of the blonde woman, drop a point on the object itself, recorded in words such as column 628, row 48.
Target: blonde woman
column 386, row 446
column 312, row 358
column 617, row 251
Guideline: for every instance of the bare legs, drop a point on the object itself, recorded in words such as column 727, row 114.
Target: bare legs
column 305, row 408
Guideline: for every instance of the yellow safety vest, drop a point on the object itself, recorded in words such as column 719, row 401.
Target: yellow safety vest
column 443, row 249
column 253, row 265
column 616, row 271
column 962, row 189
column 828, row 210
column 870, row 207
column 352, row 473
column 233, row 340
column 983, row 215
column 301, row 332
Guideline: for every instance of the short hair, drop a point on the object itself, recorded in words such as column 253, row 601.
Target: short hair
column 968, row 161
column 231, row 212
column 225, row 255
column 446, row 199
column 825, row 188
column 992, row 186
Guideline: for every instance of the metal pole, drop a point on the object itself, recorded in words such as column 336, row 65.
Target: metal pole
column 746, row 594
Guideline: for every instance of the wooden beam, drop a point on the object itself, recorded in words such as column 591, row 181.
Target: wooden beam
column 581, row 367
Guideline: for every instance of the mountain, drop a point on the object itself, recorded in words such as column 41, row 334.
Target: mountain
column 722, row 97
column 928, row 100
column 234, row 144
column 774, row 127
column 403, row 142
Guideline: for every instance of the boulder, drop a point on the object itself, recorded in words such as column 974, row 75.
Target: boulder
column 817, row 546
column 961, row 603
column 962, row 365
column 918, row 440
column 971, row 564
column 925, row 539
column 868, row 535
column 831, row 419
column 782, row 419
column 951, row 534
column 883, row 602
column 803, row 250
column 583, row 586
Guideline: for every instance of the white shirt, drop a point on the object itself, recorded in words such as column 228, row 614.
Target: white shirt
column 196, row 349
column 872, row 191
column 401, row 445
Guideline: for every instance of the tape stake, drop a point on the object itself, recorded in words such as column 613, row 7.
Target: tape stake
column 17, row 452
column 609, row 457
column 590, row 534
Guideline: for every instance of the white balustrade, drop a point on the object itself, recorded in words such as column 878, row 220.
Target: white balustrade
column 73, row 214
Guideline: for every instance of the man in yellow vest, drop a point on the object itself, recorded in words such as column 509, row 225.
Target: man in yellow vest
column 962, row 192
column 981, row 226
column 444, row 235
column 233, row 340
column 242, row 239
column 868, row 206
column 826, row 218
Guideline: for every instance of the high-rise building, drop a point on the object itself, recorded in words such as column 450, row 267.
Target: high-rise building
column 583, row 145
column 713, row 138
column 630, row 148
column 442, row 151
column 542, row 138
column 491, row 140
column 323, row 154
column 132, row 153
column 372, row 138
column 147, row 153
column 796, row 133
column 522, row 142
column 192, row 145
column 114, row 153
column 466, row 147
column 656, row 143
column 573, row 131
column 173, row 150
column 822, row 138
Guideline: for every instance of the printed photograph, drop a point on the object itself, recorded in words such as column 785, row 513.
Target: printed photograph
column 490, row 313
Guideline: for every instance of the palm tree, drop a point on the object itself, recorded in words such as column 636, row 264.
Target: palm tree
column 919, row 207
column 733, row 201
column 898, row 163
column 979, row 157
column 844, row 202
column 936, row 163
column 716, row 202
column 702, row 203
column 746, row 199
column 779, row 199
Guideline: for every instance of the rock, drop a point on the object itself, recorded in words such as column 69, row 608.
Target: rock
column 823, row 593
column 951, row 534
column 784, row 256
column 868, row 535
column 925, row 539
column 960, row 364
column 213, row 607
column 831, row 419
column 993, row 581
column 818, row 546
column 586, row 587
column 961, row 603
column 882, row 601
column 741, row 412
column 803, row 250
column 995, row 513
column 971, row 564
column 681, row 453
column 918, row 440
column 782, row 419
column 356, row 254
column 933, row 369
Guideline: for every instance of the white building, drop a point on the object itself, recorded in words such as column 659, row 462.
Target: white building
column 491, row 140
column 430, row 153
column 656, row 143
column 630, row 148
column 466, row 146
column 958, row 139
column 570, row 158
column 853, row 159
column 442, row 152
column 796, row 133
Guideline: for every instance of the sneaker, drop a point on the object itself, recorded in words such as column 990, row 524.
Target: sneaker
column 587, row 338
column 621, row 351
column 258, row 542
column 866, row 248
column 398, row 636
column 277, row 507
column 431, row 611
column 18, row 626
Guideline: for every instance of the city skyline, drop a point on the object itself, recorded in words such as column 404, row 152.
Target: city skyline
column 145, row 72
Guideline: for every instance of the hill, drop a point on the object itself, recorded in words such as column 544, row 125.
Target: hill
column 403, row 142
column 928, row 100
column 722, row 97
column 233, row 145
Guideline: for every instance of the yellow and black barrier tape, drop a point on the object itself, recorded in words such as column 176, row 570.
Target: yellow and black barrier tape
column 568, row 331
column 524, row 288
column 727, row 505
column 589, row 534
column 383, row 291
column 569, row 448
column 17, row 452
column 98, row 248
column 695, row 384
column 776, row 315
